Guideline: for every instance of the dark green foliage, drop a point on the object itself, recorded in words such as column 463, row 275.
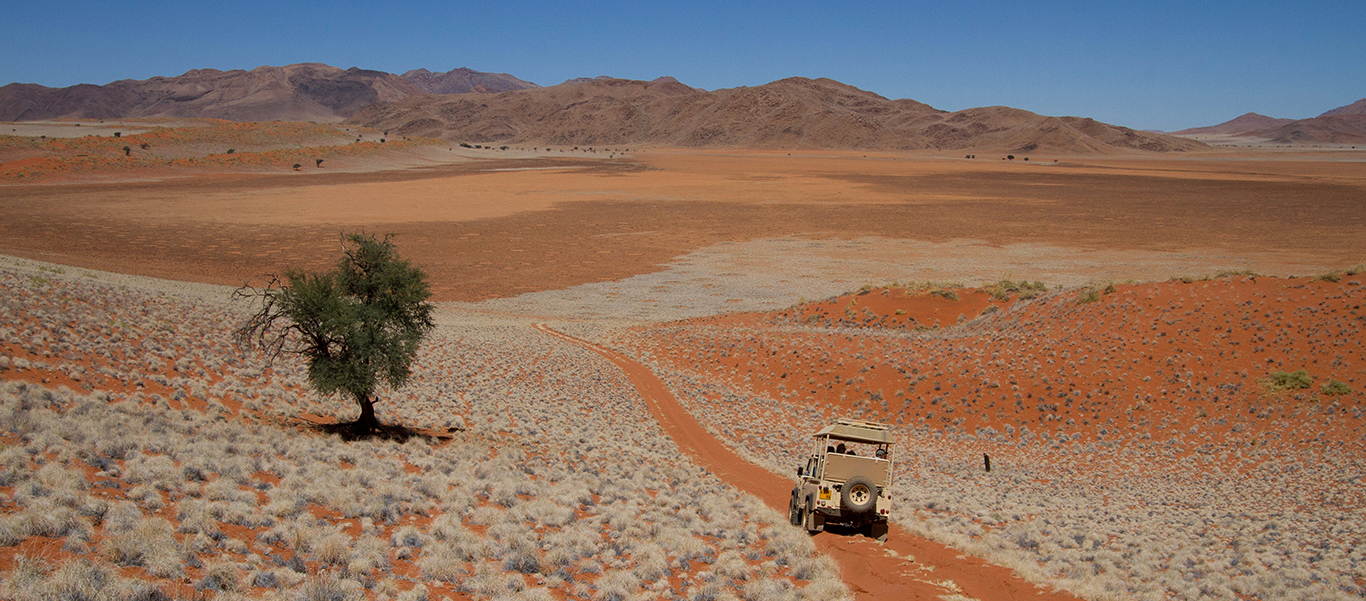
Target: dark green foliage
column 358, row 325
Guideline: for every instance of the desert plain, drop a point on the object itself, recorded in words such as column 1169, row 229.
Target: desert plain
column 1162, row 354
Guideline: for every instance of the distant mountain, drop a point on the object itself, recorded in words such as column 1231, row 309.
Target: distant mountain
column 462, row 80
column 1356, row 108
column 1342, row 125
column 1245, row 123
column 1332, row 129
column 303, row 92
column 790, row 113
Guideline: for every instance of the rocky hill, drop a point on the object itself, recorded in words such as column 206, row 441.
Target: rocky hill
column 302, row 92
column 462, row 80
column 791, row 113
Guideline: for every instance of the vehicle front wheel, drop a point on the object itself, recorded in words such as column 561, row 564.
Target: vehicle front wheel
column 794, row 515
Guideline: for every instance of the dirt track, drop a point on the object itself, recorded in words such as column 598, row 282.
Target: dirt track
column 905, row 567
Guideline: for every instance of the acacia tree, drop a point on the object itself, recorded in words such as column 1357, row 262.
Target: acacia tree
column 357, row 325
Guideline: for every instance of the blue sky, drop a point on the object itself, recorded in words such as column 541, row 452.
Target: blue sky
column 1149, row 65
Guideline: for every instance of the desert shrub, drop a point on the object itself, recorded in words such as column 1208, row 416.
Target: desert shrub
column 327, row 587
column 367, row 555
column 13, row 530
column 443, row 561
column 58, row 476
column 489, row 581
column 1090, row 295
column 617, row 585
column 408, row 536
column 731, row 564
column 220, row 576
column 1334, row 387
column 651, row 563
column 945, row 293
column 333, row 549
column 524, row 558
column 150, row 542
column 1282, row 380
column 75, row 580
column 122, row 515
column 769, row 589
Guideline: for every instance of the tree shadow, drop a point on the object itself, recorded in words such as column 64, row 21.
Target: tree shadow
column 353, row 431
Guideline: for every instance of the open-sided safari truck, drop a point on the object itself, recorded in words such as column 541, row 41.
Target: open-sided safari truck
column 847, row 480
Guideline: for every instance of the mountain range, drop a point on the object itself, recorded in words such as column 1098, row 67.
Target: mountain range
column 790, row 113
column 471, row 106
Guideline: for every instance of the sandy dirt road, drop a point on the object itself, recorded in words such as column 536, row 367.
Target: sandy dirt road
column 905, row 567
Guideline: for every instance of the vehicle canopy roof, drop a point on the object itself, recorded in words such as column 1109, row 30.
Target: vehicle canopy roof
column 850, row 430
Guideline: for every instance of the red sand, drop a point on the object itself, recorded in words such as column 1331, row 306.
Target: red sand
column 1143, row 362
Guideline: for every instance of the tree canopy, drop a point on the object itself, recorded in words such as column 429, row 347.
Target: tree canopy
column 357, row 325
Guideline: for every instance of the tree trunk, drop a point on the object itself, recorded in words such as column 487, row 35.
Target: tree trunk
column 367, row 424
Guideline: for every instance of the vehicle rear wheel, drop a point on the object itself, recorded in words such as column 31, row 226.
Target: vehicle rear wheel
column 859, row 495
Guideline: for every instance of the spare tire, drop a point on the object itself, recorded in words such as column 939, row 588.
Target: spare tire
column 859, row 495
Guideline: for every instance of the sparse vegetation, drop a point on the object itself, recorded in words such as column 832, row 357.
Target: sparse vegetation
column 313, row 517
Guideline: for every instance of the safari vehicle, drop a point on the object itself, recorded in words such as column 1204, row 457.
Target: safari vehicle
column 847, row 480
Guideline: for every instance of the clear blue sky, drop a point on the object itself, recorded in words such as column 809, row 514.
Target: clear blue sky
column 1143, row 64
